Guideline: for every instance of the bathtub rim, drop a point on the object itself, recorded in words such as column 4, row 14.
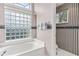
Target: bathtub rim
column 17, row 41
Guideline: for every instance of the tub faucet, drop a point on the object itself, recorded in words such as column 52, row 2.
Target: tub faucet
column 3, row 53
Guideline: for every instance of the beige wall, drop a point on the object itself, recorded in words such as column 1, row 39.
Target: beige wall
column 46, row 12
column 2, row 31
column 34, row 24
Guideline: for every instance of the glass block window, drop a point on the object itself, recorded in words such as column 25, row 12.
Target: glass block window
column 17, row 25
column 24, row 5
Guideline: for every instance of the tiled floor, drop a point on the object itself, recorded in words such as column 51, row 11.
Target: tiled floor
column 61, row 52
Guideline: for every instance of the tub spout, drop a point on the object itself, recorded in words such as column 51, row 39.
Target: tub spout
column 4, row 53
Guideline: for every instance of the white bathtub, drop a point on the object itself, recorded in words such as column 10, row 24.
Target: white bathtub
column 34, row 48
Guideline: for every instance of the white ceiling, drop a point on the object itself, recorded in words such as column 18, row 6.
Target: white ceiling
column 58, row 4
